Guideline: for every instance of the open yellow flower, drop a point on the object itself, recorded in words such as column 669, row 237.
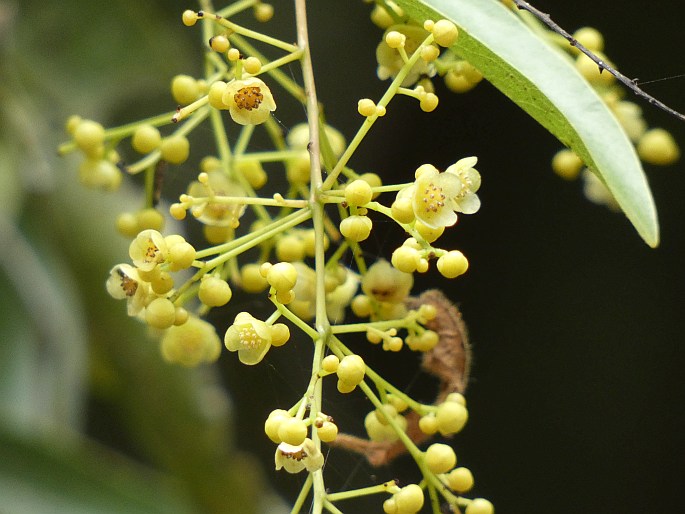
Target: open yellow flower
column 124, row 282
column 297, row 458
column 250, row 337
column 467, row 200
column 433, row 196
column 249, row 101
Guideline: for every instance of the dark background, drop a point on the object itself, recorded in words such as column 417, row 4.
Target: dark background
column 576, row 399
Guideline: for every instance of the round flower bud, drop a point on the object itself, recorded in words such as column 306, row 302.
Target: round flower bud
column 351, row 369
column 361, row 306
column 215, row 95
column 280, row 333
column 451, row 417
column 430, row 53
column 89, row 136
column 290, row 248
column 385, row 412
column 379, row 432
column 184, row 89
column 567, row 164
column 150, row 218
column 273, row 423
column 330, row 364
column 366, row 107
column 282, row 276
column 452, row 264
column 160, row 313
column 440, row 458
column 252, row 65
column 127, row 224
column 457, row 398
column 327, row 431
column 145, row 139
column 213, row 291
column 389, row 505
column 358, row 192
column 189, row 18
column 233, row 55
column 292, row 431
column 73, row 121
column 373, row 180
column 263, row 12
column 402, row 210
column 458, row 83
column 182, row 317
column 460, row 480
column 395, row 39
column 445, row 32
column 429, row 234
column 175, row 149
column 253, row 172
column 251, row 279
column 219, row 43
column 162, row 283
column 480, row 506
column 409, row 500
column 428, row 424
column 190, row 343
column 590, row 38
column 657, row 146
column 429, row 102
column 345, row 387
column 285, row 297
column 181, row 256
column 356, row 228
column 405, row 259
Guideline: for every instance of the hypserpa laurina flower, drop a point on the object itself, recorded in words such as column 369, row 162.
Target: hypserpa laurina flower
column 125, row 283
column 467, row 200
column 433, row 195
column 148, row 249
column 250, row 337
column 297, row 458
column 250, row 101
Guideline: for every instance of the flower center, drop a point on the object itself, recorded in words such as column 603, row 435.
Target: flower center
column 249, row 337
column 128, row 285
column 297, row 455
column 433, row 198
column 151, row 251
column 248, row 98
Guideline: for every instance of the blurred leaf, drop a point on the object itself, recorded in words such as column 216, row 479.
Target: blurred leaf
column 49, row 476
column 541, row 81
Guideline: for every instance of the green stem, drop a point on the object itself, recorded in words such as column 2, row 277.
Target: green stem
column 368, row 123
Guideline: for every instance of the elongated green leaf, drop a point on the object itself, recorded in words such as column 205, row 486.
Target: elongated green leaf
column 74, row 476
column 543, row 83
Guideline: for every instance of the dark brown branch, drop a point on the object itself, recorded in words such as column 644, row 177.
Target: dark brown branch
column 629, row 83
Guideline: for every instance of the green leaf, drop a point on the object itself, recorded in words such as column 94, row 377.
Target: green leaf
column 540, row 80
column 69, row 475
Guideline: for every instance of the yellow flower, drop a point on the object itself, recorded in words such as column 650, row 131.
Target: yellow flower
column 148, row 249
column 297, row 458
column 250, row 101
column 433, row 195
column 250, row 337
column 124, row 282
column 191, row 344
column 467, row 200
